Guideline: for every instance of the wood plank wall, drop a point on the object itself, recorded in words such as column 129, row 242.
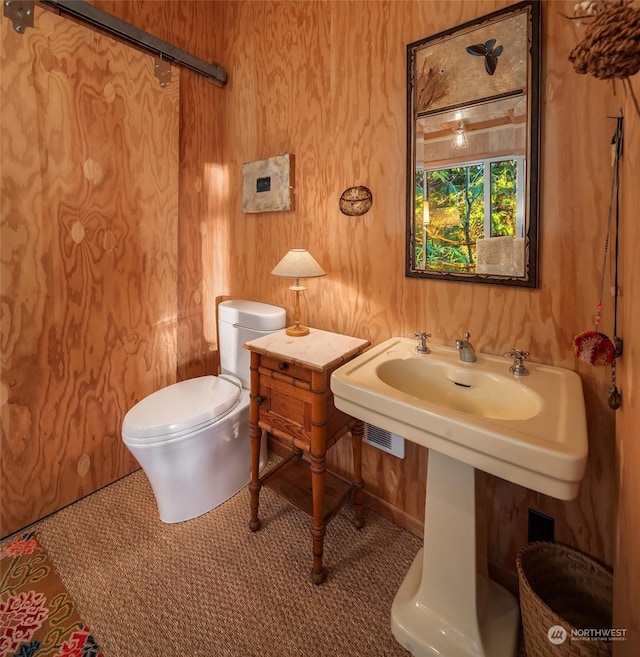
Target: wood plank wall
column 326, row 81
column 195, row 27
column 89, row 258
column 627, row 542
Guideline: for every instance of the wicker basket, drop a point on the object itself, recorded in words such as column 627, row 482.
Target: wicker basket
column 561, row 586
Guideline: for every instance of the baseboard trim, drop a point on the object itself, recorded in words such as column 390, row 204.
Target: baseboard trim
column 394, row 514
column 505, row 577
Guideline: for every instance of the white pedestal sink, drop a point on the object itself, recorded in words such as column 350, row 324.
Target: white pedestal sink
column 531, row 431
column 444, row 606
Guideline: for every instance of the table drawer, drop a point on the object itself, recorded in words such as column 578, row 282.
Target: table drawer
column 286, row 368
column 284, row 407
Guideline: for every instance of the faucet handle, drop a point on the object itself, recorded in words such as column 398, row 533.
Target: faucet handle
column 422, row 336
column 518, row 368
column 460, row 343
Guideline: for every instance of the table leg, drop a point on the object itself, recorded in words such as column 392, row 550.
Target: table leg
column 318, row 454
column 358, row 483
column 255, row 435
column 318, row 528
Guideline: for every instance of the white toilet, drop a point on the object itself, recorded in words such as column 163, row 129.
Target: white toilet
column 192, row 438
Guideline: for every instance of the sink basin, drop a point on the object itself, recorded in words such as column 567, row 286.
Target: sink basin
column 470, row 390
column 530, row 430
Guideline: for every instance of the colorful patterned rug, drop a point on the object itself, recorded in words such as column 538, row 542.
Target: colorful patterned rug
column 38, row 617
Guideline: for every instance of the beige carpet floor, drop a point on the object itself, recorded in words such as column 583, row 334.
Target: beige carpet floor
column 211, row 587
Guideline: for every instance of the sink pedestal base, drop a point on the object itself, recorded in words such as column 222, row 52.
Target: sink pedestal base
column 445, row 607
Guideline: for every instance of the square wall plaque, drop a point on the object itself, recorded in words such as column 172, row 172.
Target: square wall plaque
column 267, row 185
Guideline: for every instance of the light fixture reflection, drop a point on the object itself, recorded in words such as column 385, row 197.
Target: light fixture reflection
column 460, row 140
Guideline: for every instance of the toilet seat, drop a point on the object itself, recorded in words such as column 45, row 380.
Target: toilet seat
column 181, row 408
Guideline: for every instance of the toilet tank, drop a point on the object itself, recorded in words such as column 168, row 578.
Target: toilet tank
column 238, row 322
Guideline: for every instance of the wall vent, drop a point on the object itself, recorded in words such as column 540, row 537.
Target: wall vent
column 384, row 440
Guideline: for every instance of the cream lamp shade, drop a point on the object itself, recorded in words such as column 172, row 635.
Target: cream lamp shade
column 297, row 264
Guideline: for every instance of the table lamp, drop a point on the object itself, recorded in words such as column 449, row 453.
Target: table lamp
column 297, row 264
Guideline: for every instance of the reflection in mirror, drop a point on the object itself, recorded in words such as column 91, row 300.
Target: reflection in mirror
column 473, row 150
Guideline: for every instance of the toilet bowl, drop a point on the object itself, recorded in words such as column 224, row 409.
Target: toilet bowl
column 192, row 438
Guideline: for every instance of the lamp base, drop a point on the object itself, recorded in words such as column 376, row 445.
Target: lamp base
column 297, row 331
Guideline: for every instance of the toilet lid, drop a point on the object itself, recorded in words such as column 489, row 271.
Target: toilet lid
column 181, row 407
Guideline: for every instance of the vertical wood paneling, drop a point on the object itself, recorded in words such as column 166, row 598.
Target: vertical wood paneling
column 193, row 26
column 326, row 81
column 626, row 587
column 89, row 258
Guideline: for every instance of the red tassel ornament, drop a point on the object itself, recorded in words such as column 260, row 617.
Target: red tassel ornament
column 594, row 348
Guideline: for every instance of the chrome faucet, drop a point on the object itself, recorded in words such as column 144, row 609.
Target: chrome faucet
column 422, row 342
column 465, row 349
column 518, row 368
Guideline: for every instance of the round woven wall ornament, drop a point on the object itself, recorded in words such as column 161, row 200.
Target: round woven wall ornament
column 356, row 201
column 610, row 45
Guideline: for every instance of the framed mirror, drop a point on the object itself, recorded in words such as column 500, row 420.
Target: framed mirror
column 472, row 163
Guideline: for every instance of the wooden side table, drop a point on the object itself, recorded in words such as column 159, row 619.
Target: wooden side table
column 291, row 399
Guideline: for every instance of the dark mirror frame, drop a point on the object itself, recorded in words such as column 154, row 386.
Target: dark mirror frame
column 530, row 277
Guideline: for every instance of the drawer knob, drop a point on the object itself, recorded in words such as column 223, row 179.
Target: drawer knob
column 259, row 399
column 283, row 367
